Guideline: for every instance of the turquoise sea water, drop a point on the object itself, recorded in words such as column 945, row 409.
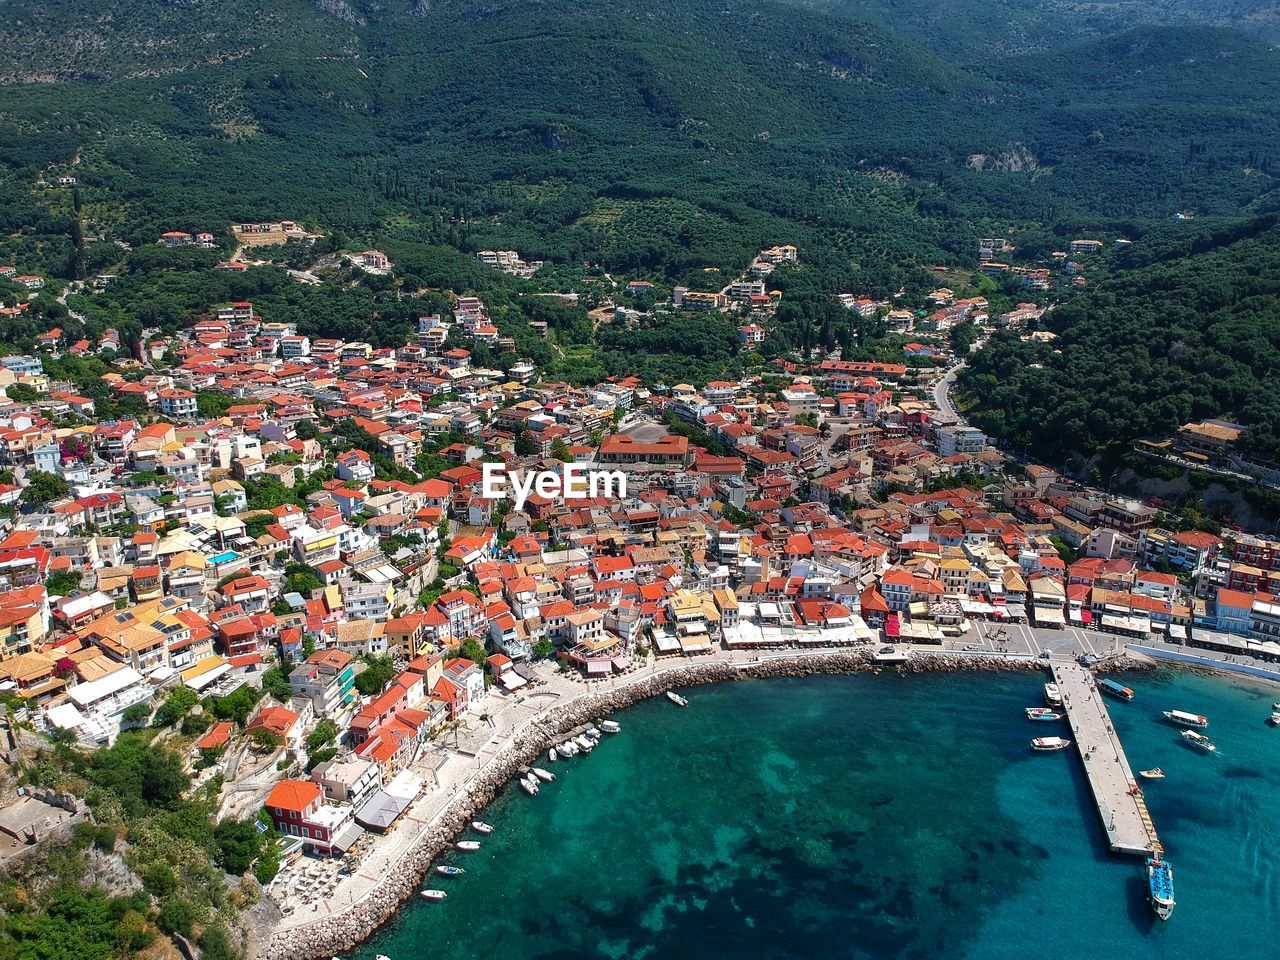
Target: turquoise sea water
column 869, row 816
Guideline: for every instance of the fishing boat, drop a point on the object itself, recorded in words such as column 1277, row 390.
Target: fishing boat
column 1047, row 744
column 1155, row 773
column 546, row 776
column 1198, row 740
column 1117, row 690
column 529, row 785
column 447, row 871
column 1160, row 887
column 482, row 828
column 675, row 698
column 433, row 894
column 610, row 726
column 1052, row 695
column 467, row 846
column 1184, row 719
column 552, row 755
column 1042, row 714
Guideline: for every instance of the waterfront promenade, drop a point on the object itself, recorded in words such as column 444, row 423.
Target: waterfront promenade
column 1123, row 811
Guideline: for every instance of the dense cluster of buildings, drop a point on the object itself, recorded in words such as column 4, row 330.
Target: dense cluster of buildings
column 824, row 503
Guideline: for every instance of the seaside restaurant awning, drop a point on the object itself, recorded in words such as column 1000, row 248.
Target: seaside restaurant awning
column 1177, row 633
column 666, row 642
column 695, row 642
column 599, row 668
column 347, row 836
column 382, row 810
column 513, row 681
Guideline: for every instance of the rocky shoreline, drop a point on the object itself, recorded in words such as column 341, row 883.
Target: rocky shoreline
column 341, row 932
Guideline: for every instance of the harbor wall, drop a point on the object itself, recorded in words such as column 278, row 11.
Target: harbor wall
column 1210, row 662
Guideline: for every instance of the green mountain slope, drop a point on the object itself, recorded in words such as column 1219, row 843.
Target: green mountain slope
column 1187, row 327
column 662, row 135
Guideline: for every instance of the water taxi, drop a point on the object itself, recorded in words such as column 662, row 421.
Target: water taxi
column 1160, row 887
column 1155, row 773
column 447, row 871
column 1047, row 744
column 1117, row 690
column 467, row 846
column 546, row 776
column 610, row 726
column 1184, row 719
column 482, row 828
column 433, row 894
column 1052, row 695
column 675, row 698
column 1198, row 740
column 1043, row 714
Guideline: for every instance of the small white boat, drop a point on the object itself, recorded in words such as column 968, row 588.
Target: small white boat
column 610, row 726
column 1198, row 740
column 552, row 756
column 467, row 846
column 592, row 732
column 586, row 744
column 1047, row 744
column 1052, row 695
column 482, row 828
column 1276, row 707
column 569, row 749
column 447, row 871
column 1155, row 773
column 675, row 698
column 546, row 776
column 433, row 894
column 1184, row 719
column 1274, row 719
column 530, row 785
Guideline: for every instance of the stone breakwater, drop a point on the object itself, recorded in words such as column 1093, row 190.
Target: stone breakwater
column 340, row 932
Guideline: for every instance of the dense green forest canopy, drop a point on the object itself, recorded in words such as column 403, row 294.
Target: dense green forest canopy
column 1186, row 326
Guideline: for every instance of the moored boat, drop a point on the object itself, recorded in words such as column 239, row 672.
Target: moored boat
column 593, row 732
column 675, row 698
column 610, row 726
column 447, row 871
column 546, row 776
column 1046, row 744
column 1042, row 714
column 433, row 894
column 1198, row 740
column 1184, row 719
column 1117, row 690
column 1274, row 719
column 529, row 785
column 585, row 743
column 467, row 846
column 482, row 828
column 552, row 755
column 1160, row 887
column 1155, row 773
column 1052, row 695
column 568, row 749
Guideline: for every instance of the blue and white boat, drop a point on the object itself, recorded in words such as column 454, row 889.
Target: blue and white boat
column 1160, row 887
column 1043, row 714
column 447, row 871
column 1117, row 690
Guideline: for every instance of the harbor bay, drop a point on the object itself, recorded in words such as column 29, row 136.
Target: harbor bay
column 866, row 816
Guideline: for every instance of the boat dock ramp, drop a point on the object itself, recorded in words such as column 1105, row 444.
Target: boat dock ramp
column 1121, row 807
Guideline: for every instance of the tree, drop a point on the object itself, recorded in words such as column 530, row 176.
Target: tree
column 215, row 944
column 62, row 582
column 326, row 732
column 474, row 650
column 264, row 738
column 544, row 648
column 138, row 713
column 238, row 844
column 176, row 916
column 44, row 488
column 276, row 682
column 376, row 675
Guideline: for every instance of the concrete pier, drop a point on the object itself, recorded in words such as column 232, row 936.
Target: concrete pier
column 1121, row 807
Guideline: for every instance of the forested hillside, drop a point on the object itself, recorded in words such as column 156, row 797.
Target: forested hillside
column 1188, row 326
column 664, row 135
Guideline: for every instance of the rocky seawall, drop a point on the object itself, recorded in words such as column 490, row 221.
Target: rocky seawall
column 341, row 932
